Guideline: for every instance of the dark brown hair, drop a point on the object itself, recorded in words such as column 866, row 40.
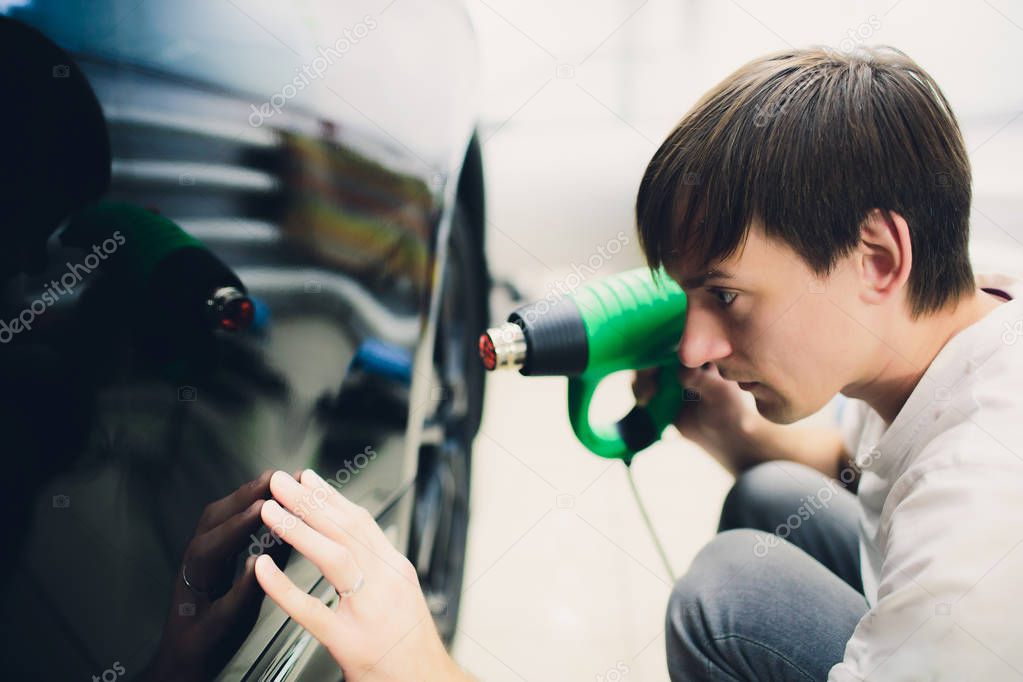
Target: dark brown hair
column 808, row 142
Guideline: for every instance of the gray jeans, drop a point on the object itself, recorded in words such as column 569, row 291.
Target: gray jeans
column 754, row 606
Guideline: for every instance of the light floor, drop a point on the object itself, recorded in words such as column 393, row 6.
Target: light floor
column 563, row 581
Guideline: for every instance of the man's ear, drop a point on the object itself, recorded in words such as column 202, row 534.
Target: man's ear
column 884, row 256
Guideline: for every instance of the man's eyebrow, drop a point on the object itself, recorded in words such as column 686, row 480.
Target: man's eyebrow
column 700, row 280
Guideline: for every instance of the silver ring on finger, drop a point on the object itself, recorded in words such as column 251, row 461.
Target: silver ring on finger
column 188, row 584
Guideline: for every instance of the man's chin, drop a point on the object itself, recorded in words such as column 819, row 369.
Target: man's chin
column 776, row 410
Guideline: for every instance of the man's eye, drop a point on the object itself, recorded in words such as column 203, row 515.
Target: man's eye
column 725, row 298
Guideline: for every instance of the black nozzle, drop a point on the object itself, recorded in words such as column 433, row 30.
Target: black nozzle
column 556, row 340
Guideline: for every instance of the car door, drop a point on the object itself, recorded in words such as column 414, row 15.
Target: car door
column 332, row 226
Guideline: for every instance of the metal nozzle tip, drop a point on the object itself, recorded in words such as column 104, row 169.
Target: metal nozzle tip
column 230, row 309
column 503, row 347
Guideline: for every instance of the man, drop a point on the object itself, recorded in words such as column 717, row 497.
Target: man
column 815, row 207
column 831, row 194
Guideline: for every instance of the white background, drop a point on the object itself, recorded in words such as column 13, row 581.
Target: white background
column 574, row 591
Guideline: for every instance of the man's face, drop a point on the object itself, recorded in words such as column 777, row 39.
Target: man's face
column 800, row 338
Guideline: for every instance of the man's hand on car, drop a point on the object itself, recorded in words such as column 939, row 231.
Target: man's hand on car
column 381, row 628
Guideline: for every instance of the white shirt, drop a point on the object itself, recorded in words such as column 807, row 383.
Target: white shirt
column 941, row 513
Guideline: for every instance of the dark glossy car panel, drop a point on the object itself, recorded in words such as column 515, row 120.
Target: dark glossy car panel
column 323, row 153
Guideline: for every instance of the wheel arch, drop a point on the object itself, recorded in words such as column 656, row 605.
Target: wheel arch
column 471, row 195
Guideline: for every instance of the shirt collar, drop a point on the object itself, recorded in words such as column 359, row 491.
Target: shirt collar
column 944, row 383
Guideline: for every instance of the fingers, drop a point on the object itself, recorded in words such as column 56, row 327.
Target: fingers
column 224, row 540
column 342, row 521
column 312, row 480
column 219, row 511
column 237, row 610
column 296, row 497
column 208, row 558
column 335, row 561
column 330, row 513
column 366, row 527
column 644, row 385
column 240, row 592
column 306, row 610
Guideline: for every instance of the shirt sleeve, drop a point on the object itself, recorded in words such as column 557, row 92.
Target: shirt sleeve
column 950, row 593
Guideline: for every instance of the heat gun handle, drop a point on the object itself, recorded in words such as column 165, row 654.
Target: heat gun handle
column 636, row 431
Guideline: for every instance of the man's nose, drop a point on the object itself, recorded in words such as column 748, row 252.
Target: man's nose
column 703, row 340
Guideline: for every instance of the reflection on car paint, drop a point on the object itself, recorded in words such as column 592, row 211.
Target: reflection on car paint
column 128, row 416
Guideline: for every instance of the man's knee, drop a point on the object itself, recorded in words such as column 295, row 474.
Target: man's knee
column 700, row 607
column 762, row 493
column 717, row 565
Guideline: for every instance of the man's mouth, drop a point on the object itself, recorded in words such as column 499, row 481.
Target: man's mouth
column 744, row 385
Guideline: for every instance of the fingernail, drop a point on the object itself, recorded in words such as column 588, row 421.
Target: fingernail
column 315, row 476
column 284, row 476
column 267, row 563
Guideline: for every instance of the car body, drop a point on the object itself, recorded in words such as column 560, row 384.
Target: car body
column 325, row 153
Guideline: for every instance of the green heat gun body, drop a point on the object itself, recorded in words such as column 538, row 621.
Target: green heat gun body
column 633, row 320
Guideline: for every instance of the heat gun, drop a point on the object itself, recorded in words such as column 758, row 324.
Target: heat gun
column 632, row 320
column 186, row 287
